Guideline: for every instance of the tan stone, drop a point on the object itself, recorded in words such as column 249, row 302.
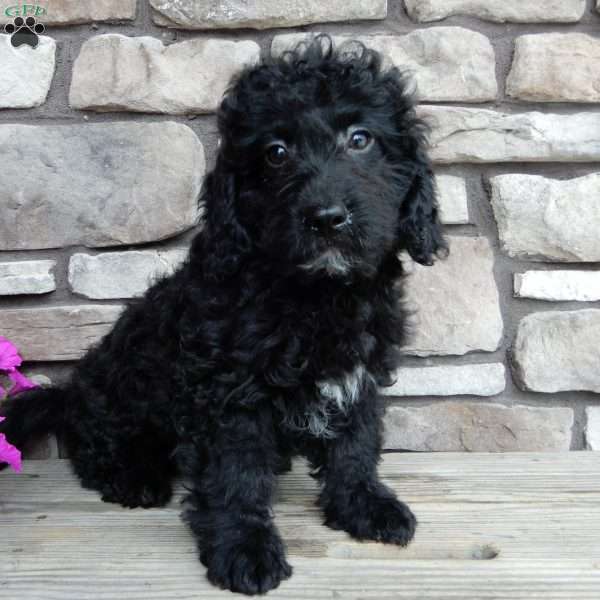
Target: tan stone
column 57, row 333
column 455, row 302
column 477, row 427
column 558, row 351
column 558, row 286
column 548, row 219
column 72, row 12
column 555, row 67
column 27, row 277
column 452, row 196
column 101, row 184
column 26, row 73
column 120, row 274
column 475, row 135
column 262, row 14
column 450, row 380
column 500, row 11
column 116, row 72
column 592, row 428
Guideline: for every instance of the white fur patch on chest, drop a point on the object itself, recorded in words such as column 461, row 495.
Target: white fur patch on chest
column 333, row 396
column 345, row 391
column 337, row 395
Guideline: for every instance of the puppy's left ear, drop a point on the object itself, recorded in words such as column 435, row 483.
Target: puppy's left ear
column 420, row 230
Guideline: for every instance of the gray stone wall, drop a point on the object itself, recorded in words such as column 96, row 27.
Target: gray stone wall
column 107, row 128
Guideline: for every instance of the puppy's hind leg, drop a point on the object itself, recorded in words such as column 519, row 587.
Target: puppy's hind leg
column 231, row 506
column 129, row 466
column 142, row 477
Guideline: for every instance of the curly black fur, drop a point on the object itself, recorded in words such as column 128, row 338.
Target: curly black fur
column 272, row 338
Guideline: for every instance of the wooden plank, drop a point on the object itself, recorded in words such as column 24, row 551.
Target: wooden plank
column 445, row 477
column 462, row 524
column 491, row 526
column 183, row 579
column 445, row 532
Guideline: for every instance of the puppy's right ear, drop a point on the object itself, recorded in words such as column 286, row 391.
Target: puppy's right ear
column 224, row 239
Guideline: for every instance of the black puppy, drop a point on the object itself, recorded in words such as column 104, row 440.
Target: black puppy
column 272, row 338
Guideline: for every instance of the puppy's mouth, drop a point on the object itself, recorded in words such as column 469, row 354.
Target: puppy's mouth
column 331, row 261
column 332, row 253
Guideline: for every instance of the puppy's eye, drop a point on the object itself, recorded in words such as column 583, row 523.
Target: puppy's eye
column 277, row 155
column 359, row 140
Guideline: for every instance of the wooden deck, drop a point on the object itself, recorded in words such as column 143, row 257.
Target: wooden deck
column 502, row 526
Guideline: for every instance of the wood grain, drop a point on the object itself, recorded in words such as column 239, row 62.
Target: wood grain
column 490, row 526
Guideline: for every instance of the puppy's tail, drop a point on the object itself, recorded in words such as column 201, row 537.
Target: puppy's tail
column 32, row 414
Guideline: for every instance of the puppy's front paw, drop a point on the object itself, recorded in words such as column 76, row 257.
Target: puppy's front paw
column 373, row 515
column 255, row 565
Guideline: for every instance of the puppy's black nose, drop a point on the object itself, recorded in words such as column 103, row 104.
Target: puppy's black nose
column 332, row 218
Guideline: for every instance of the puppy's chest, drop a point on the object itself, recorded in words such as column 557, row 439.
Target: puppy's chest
column 321, row 367
column 321, row 408
column 342, row 392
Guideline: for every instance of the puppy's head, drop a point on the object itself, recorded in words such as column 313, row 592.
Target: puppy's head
column 322, row 165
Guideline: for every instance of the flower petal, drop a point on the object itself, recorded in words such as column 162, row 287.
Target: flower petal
column 9, row 355
column 21, row 383
column 9, row 454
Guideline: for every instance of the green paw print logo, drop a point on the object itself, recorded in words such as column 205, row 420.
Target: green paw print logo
column 24, row 31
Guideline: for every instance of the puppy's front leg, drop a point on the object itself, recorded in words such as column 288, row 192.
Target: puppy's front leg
column 231, row 499
column 353, row 498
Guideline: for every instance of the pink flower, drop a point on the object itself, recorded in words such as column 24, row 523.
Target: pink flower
column 9, row 361
column 21, row 383
column 9, row 356
column 8, row 453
